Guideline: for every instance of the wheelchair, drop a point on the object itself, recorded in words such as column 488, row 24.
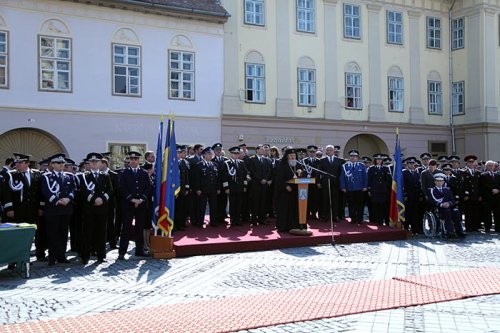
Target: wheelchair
column 433, row 225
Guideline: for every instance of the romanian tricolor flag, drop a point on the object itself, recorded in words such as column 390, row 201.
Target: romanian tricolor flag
column 158, row 176
column 170, row 184
column 397, row 208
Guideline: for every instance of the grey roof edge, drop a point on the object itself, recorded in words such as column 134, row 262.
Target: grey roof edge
column 165, row 9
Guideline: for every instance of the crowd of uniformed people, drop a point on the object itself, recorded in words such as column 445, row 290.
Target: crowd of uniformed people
column 99, row 206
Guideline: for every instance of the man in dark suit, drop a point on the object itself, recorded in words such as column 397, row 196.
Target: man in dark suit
column 441, row 198
column 489, row 184
column 58, row 192
column 192, row 199
column 135, row 189
column 97, row 190
column 260, row 169
column 330, row 183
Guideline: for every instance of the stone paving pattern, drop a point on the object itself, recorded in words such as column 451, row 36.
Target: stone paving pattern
column 73, row 289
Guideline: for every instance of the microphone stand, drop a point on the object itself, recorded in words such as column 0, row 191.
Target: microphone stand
column 330, row 176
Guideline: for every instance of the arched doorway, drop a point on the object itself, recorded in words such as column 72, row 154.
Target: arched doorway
column 39, row 144
column 366, row 144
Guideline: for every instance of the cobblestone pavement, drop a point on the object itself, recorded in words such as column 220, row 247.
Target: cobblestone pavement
column 73, row 289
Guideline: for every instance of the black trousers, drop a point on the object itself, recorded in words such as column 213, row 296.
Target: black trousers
column 235, row 201
column 492, row 206
column 211, row 199
column 472, row 212
column 413, row 220
column 258, row 198
column 333, row 209
column 312, row 201
column 355, row 204
column 94, row 235
column 129, row 213
column 110, row 227
column 221, row 207
column 76, row 228
column 181, row 205
column 57, row 235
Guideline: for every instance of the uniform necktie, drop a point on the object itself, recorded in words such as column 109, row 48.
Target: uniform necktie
column 26, row 175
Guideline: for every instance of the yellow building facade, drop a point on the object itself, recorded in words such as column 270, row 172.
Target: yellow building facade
column 349, row 73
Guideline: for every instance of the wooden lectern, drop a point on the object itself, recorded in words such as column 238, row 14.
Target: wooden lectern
column 303, row 185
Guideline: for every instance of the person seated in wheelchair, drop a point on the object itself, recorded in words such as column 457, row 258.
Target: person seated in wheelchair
column 442, row 199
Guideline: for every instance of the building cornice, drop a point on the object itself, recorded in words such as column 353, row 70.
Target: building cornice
column 322, row 124
column 107, row 113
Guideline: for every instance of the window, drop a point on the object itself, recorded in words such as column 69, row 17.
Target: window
column 458, row 33
column 433, row 33
column 119, row 152
column 181, row 69
column 307, row 87
column 305, row 16
column 55, row 64
column 4, row 60
column 394, row 27
column 434, row 91
column 353, row 91
column 458, row 98
column 396, row 94
column 126, row 70
column 352, row 22
column 254, row 12
column 255, row 83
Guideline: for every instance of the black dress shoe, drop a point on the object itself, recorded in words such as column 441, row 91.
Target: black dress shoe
column 52, row 262
column 113, row 247
column 85, row 261
column 141, row 254
column 63, row 261
column 42, row 259
column 121, row 257
column 11, row 266
column 101, row 260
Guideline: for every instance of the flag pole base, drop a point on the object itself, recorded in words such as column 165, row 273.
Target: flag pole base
column 162, row 247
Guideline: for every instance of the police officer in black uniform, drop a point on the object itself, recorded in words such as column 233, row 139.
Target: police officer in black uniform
column 205, row 186
column 234, row 177
column 58, row 192
column 96, row 192
column 219, row 161
column 471, row 204
column 379, row 187
column 135, row 189
column 22, row 200
column 181, row 201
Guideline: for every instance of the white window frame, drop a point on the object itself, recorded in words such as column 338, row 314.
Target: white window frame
column 458, row 33
column 458, row 98
column 131, row 67
column 306, row 83
column 4, row 58
column 54, row 62
column 353, row 91
column 255, row 83
column 254, row 11
column 306, row 16
column 394, row 27
column 184, row 71
column 433, row 32
column 352, row 21
column 396, row 94
column 435, row 96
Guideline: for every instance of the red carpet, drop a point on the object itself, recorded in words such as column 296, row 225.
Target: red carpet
column 209, row 240
column 269, row 309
